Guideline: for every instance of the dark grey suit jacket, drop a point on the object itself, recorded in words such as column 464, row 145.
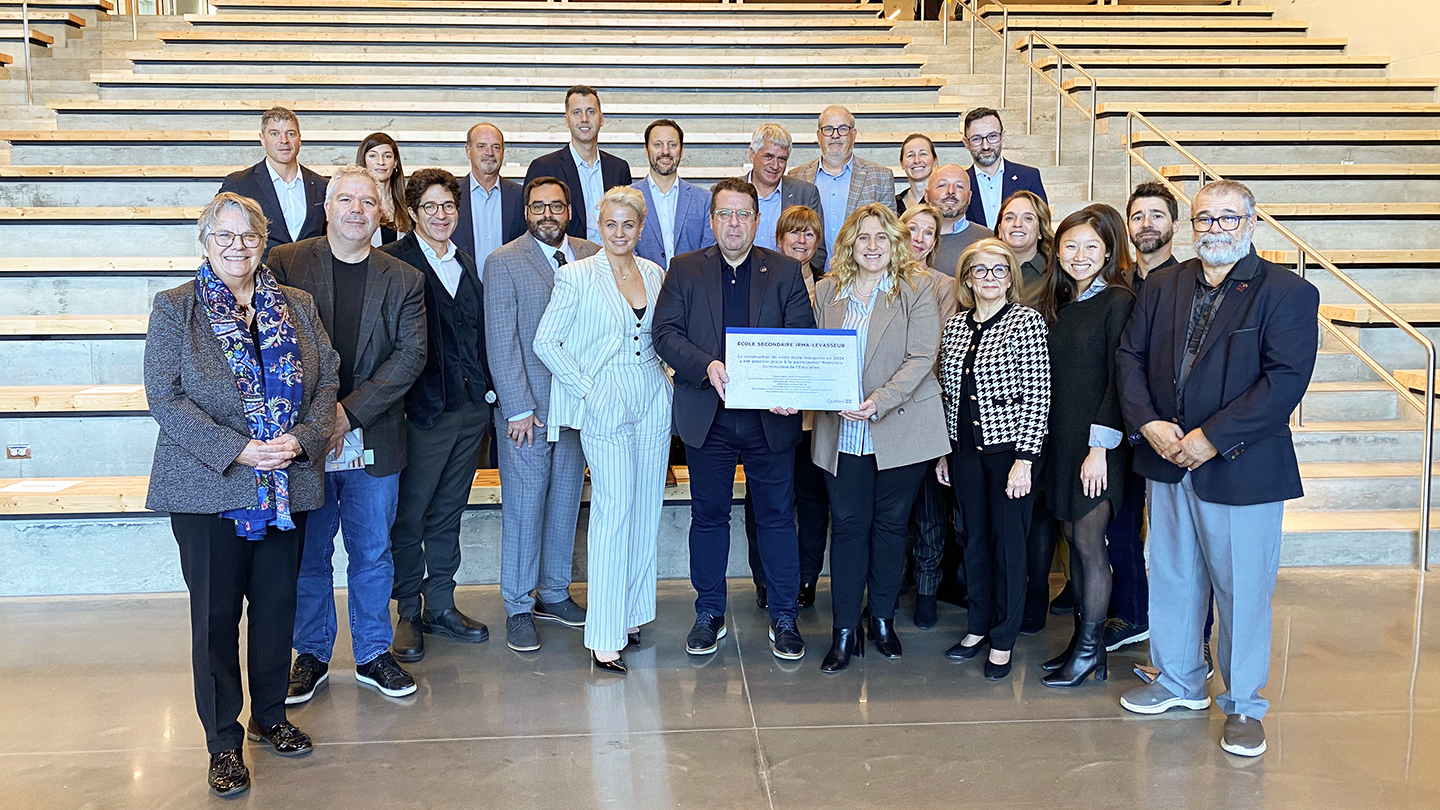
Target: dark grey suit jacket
column 192, row 394
column 794, row 191
column 391, row 351
column 256, row 184
column 561, row 165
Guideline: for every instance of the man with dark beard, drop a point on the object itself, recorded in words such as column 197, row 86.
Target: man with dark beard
column 540, row 481
column 676, row 211
column 992, row 178
column 1207, row 402
column 1150, row 216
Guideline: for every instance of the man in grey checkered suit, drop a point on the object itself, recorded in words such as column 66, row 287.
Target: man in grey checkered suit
column 540, row 481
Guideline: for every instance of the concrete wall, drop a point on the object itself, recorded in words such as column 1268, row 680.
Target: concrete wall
column 1406, row 30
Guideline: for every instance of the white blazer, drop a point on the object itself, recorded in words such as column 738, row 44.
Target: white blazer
column 586, row 324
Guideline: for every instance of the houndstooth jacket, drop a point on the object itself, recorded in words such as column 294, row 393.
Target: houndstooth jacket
column 1012, row 380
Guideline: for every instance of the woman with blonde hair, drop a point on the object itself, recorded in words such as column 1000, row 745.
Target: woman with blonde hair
column 875, row 455
column 609, row 384
column 995, row 371
column 381, row 156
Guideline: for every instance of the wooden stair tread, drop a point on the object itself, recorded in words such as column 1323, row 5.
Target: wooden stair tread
column 78, row 398
column 653, row 109
column 511, row 59
column 1316, row 210
column 1098, row 25
column 1359, row 520
column 6, row 59
column 1238, row 171
column 17, row 33
column 1104, row 40
column 514, row 171
column 1361, row 469
column 1254, row 83
column 1365, row 313
column 1162, row 60
column 1138, row 9
column 1370, row 257
column 25, row 325
column 455, row 137
column 799, row 8
column 117, row 213
column 557, row 20
column 93, row 5
column 1271, row 108
column 1289, row 136
column 500, row 82
column 1412, row 378
column 558, row 40
column 44, row 17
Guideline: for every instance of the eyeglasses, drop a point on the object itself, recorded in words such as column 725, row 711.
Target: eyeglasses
column 1229, row 222
column 842, row 130
column 741, row 214
column 249, row 239
column 997, row 272
column 992, row 139
column 431, row 207
column 554, row 207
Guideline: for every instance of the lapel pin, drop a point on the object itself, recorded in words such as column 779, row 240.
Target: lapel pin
column 763, row 268
column 1242, row 287
column 1014, row 177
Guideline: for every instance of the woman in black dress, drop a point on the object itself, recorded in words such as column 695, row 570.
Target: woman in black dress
column 1086, row 302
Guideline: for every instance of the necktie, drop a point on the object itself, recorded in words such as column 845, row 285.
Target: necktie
column 559, row 258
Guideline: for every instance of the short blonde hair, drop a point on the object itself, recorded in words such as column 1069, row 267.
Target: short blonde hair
column 989, row 246
column 902, row 266
column 209, row 218
column 928, row 209
column 625, row 197
column 798, row 218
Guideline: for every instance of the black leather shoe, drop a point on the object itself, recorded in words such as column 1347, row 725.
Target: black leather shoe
column 960, row 652
column 228, row 774
column 306, row 675
column 1059, row 660
column 1032, row 627
column 284, row 737
column 887, row 641
column 927, row 613
column 845, row 645
column 617, row 666
column 761, row 600
column 997, row 672
column 807, row 595
column 1089, row 656
column 451, row 623
column 705, row 636
column 632, row 639
column 409, row 644
column 785, row 640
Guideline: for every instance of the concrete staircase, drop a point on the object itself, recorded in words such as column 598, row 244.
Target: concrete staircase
column 99, row 189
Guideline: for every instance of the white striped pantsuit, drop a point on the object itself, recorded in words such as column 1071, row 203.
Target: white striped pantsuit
column 626, row 438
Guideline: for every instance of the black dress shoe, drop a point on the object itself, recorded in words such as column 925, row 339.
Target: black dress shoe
column 960, row 652
column 927, row 613
column 617, row 666
column 704, row 637
column 996, row 672
column 284, row 737
column 409, row 644
column 760, row 598
column 632, row 639
column 807, row 595
column 228, row 774
column 846, row 644
column 1031, row 627
column 451, row 623
column 887, row 641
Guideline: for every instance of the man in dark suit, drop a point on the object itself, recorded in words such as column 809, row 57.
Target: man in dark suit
column 373, row 309
column 585, row 170
column 491, row 212
column 733, row 284
column 1217, row 355
column 996, row 177
column 292, row 196
column 769, row 157
column 446, row 412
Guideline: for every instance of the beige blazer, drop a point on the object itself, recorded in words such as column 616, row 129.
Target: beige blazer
column 898, row 375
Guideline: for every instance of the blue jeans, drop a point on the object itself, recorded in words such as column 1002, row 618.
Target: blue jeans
column 365, row 507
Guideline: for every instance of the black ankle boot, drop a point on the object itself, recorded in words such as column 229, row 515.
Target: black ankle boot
column 1089, row 656
column 846, row 643
column 887, row 641
column 1059, row 660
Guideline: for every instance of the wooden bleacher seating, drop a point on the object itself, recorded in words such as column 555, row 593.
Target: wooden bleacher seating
column 627, row 42
column 519, row 7
column 1366, row 315
column 15, row 34
column 1250, row 83
column 73, row 326
column 1110, row 41
column 807, row 110
column 78, row 399
column 1311, row 171
column 91, row 214
column 75, row 21
column 1092, row 11
column 553, row 58
column 132, row 79
column 1273, row 108
column 558, row 20
column 1097, row 27
column 1220, row 61
column 107, row 265
column 1291, row 137
column 1371, row 258
column 1412, row 378
column 103, row 6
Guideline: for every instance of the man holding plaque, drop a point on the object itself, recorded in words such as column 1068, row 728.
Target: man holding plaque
column 733, row 284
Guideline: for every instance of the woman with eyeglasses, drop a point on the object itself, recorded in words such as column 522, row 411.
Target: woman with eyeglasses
column 917, row 158
column 241, row 377
column 381, row 156
column 609, row 384
column 995, row 371
column 875, row 455
column 1086, row 302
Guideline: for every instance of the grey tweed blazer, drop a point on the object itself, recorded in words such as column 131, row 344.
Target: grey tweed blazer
column 518, row 284
column 192, row 394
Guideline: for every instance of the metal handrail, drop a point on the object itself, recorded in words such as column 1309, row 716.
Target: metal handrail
column 1427, row 407
column 1061, row 98
column 25, row 49
column 1001, row 33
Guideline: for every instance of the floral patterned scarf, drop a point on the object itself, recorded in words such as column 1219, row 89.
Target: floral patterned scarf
column 268, row 377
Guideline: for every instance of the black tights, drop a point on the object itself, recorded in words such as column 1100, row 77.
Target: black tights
column 1090, row 563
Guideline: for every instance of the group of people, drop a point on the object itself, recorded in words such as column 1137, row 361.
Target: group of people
column 345, row 346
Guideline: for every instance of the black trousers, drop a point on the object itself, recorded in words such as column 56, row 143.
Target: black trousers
column 434, row 491
column 1040, row 558
column 812, row 518
column 995, row 535
column 870, row 509
column 223, row 572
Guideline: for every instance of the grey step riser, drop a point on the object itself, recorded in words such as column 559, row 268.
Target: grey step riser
column 1237, row 72
column 440, row 70
column 1251, row 121
column 919, row 96
column 73, row 362
column 113, row 238
column 1390, row 347
column 1341, row 367
column 18, row 54
column 1278, row 95
column 82, row 294
column 1355, row 547
column 75, row 446
column 1298, row 151
column 1396, row 445
column 1346, row 494
column 1346, row 405
column 1410, row 285
column 1367, row 234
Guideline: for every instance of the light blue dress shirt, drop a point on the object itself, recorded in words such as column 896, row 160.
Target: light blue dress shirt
column 960, row 225
column 855, row 436
column 989, row 189
column 592, row 185
column 665, row 212
column 550, row 254
column 769, row 217
column 447, row 267
column 292, row 200
column 485, row 220
column 835, row 199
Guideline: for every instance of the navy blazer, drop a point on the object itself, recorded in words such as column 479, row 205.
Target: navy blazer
column 613, row 172
column 1250, row 374
column 689, row 333
column 1018, row 177
column 256, row 184
column 692, row 223
column 512, row 216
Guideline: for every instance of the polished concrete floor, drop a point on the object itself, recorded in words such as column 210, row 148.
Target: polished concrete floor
column 98, row 712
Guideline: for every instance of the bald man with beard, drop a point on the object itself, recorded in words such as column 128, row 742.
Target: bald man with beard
column 949, row 190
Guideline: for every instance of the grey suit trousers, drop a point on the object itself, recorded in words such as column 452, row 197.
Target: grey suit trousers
column 540, row 491
column 1194, row 546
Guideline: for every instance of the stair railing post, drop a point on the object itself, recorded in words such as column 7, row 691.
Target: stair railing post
column 1059, row 102
column 135, row 19
column 1004, row 50
column 971, row 14
column 1427, row 459
column 1094, row 117
column 25, row 48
